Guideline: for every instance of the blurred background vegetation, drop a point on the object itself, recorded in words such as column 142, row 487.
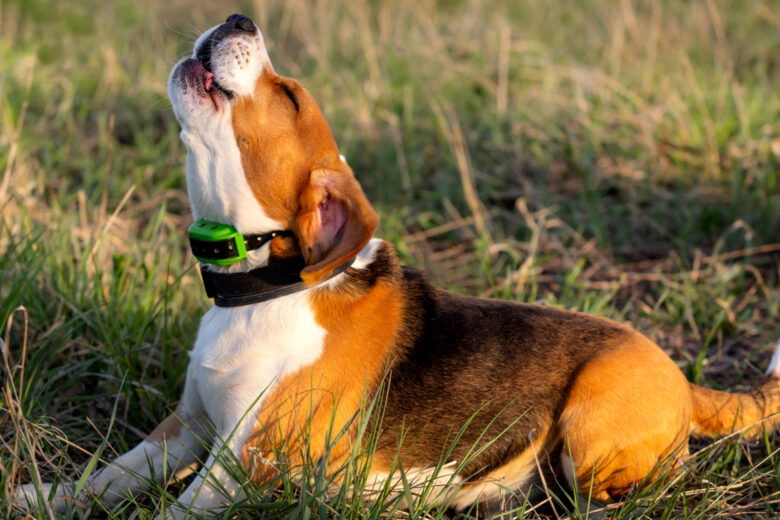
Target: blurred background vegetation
column 615, row 157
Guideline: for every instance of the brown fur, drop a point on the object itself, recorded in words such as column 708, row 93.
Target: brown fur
column 299, row 141
column 628, row 411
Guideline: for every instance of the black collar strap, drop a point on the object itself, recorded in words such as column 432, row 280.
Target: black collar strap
column 258, row 241
column 258, row 285
column 228, row 249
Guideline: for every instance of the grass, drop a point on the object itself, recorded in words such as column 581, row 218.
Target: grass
column 615, row 158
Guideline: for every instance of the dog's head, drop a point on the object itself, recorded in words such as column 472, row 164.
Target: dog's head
column 260, row 155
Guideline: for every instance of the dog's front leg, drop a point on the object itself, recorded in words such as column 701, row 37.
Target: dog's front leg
column 222, row 480
column 217, row 485
column 172, row 447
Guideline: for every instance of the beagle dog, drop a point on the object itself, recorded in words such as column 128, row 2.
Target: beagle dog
column 317, row 319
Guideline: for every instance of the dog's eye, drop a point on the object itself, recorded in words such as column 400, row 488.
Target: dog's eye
column 290, row 94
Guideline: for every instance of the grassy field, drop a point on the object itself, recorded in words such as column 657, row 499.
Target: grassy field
column 612, row 157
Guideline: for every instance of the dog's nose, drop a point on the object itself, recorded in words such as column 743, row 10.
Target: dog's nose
column 241, row 22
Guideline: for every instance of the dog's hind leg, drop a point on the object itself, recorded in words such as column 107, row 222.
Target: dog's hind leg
column 170, row 449
column 626, row 421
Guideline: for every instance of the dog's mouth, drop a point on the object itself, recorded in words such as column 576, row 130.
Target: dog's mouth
column 201, row 81
column 210, row 83
column 229, row 42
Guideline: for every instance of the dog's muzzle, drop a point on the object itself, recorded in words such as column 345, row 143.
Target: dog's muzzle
column 235, row 24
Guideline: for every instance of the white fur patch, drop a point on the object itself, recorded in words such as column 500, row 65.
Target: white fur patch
column 237, row 62
column 493, row 490
column 216, row 184
column 241, row 352
column 568, row 470
column 367, row 255
column 427, row 485
column 774, row 364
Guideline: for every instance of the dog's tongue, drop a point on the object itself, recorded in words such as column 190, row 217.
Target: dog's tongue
column 207, row 82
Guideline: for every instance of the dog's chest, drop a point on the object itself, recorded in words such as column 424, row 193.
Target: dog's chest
column 241, row 353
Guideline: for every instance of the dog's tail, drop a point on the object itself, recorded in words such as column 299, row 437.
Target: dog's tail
column 719, row 413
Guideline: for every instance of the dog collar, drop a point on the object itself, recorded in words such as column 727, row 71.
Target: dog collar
column 222, row 244
column 258, row 285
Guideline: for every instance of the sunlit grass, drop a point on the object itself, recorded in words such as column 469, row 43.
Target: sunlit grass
column 617, row 158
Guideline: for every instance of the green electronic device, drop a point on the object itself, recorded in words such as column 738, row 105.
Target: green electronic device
column 216, row 243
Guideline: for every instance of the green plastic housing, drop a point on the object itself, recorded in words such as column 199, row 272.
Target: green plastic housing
column 215, row 232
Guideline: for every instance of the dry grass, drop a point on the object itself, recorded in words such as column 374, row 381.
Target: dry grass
column 612, row 157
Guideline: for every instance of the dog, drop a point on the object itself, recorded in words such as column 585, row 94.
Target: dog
column 318, row 314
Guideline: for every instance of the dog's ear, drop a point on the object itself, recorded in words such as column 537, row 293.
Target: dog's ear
column 334, row 223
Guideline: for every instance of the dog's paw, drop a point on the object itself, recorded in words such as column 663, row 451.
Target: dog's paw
column 26, row 497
